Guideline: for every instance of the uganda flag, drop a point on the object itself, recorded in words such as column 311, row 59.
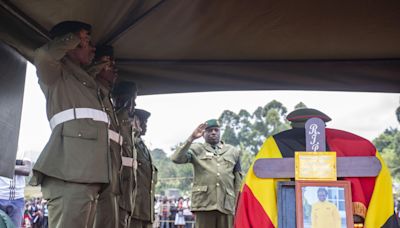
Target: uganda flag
column 372, row 196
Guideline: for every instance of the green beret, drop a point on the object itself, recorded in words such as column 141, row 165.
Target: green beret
column 104, row 50
column 124, row 88
column 142, row 114
column 301, row 115
column 212, row 123
column 66, row 27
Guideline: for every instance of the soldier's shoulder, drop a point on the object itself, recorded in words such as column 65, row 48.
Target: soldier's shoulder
column 197, row 147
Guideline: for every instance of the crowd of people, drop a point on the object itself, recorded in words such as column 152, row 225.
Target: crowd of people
column 169, row 212
column 36, row 214
column 173, row 213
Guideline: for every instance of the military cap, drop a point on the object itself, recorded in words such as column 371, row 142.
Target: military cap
column 124, row 88
column 212, row 123
column 142, row 114
column 104, row 50
column 66, row 27
column 300, row 116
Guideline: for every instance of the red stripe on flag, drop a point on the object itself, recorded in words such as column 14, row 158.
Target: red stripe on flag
column 348, row 144
column 250, row 213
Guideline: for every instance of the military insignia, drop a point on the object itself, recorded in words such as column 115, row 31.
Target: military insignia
column 209, row 155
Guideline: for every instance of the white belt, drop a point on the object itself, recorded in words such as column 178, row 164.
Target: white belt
column 115, row 136
column 78, row 113
column 129, row 162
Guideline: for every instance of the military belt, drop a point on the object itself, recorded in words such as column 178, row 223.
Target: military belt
column 129, row 162
column 115, row 136
column 78, row 113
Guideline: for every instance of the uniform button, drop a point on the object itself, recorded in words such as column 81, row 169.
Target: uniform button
column 217, row 184
column 198, row 189
column 79, row 134
column 84, row 83
column 217, row 174
column 217, row 164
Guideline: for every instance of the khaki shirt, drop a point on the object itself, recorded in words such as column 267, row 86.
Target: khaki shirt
column 128, row 174
column 77, row 150
column 146, row 182
column 215, row 178
column 115, row 148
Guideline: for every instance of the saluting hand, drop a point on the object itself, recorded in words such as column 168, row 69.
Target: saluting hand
column 198, row 132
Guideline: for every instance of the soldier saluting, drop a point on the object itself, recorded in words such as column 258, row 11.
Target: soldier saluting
column 73, row 166
column 107, row 207
column 124, row 94
column 217, row 175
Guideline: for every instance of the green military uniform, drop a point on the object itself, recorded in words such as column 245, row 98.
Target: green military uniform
column 143, row 215
column 128, row 174
column 216, row 181
column 107, row 207
column 75, row 160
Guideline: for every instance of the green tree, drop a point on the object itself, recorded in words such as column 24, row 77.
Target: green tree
column 249, row 131
column 388, row 143
column 300, row 105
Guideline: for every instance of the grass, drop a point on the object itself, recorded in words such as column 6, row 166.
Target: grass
column 32, row 191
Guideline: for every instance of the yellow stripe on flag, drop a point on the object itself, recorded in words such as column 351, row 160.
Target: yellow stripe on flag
column 381, row 206
column 265, row 189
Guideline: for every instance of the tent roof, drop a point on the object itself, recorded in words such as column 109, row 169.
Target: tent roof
column 204, row 45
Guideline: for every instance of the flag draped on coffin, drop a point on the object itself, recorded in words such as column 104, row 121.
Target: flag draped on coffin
column 372, row 196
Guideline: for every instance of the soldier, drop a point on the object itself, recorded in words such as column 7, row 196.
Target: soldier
column 124, row 95
column 107, row 207
column 143, row 214
column 73, row 166
column 217, row 175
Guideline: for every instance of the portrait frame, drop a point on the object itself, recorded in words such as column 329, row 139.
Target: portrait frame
column 343, row 196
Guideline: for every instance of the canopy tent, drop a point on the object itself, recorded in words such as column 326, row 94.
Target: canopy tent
column 171, row 46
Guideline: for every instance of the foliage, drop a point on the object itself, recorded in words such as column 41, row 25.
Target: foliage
column 388, row 143
column 171, row 175
column 249, row 131
column 300, row 105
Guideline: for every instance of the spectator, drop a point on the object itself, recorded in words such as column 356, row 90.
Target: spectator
column 173, row 210
column 179, row 218
column 165, row 213
column 45, row 214
column 187, row 213
column 27, row 222
column 12, row 192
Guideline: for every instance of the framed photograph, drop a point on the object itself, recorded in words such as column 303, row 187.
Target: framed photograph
column 323, row 204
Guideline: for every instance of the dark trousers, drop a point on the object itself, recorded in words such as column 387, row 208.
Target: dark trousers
column 213, row 219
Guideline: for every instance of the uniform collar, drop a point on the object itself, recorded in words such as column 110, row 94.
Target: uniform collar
column 79, row 73
column 219, row 146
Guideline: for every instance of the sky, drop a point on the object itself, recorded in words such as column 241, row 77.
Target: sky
column 175, row 116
